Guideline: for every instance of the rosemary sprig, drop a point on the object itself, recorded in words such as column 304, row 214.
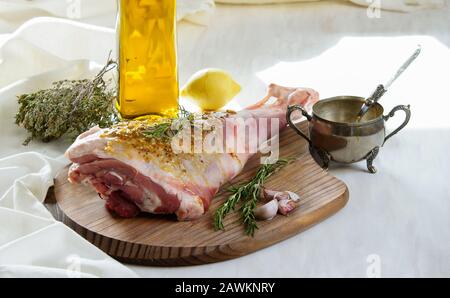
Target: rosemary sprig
column 166, row 129
column 248, row 194
column 248, row 209
column 183, row 113
column 159, row 130
column 237, row 193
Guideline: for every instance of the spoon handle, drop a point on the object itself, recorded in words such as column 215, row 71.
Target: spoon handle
column 376, row 95
column 371, row 100
column 404, row 67
column 381, row 89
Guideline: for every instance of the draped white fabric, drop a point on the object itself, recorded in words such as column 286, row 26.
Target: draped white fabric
column 101, row 12
column 32, row 243
column 397, row 5
column 13, row 13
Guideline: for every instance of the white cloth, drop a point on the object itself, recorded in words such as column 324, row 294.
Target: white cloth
column 32, row 243
column 101, row 12
column 401, row 5
column 396, row 5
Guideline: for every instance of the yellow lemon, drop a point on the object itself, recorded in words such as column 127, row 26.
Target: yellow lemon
column 211, row 88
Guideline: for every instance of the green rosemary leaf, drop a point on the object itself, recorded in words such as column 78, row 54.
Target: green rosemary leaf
column 159, row 130
column 168, row 128
column 183, row 113
column 227, row 207
column 248, row 209
column 247, row 194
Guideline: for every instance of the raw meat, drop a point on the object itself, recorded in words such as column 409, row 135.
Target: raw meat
column 134, row 173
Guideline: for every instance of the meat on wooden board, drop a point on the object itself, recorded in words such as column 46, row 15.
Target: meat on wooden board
column 134, row 173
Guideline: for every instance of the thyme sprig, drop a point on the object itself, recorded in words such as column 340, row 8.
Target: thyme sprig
column 68, row 107
column 248, row 194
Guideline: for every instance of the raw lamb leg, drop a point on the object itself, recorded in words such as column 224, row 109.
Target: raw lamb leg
column 134, row 173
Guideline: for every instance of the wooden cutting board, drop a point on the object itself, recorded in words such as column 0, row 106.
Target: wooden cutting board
column 161, row 240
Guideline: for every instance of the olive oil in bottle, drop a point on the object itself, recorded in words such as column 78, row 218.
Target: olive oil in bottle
column 148, row 78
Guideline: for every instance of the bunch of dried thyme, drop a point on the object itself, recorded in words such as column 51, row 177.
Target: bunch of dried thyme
column 68, row 108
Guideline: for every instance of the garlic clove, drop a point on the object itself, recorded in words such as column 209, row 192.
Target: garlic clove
column 267, row 193
column 281, row 195
column 267, row 211
column 285, row 201
column 293, row 196
column 286, row 206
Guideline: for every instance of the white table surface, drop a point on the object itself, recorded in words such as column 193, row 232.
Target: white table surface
column 399, row 217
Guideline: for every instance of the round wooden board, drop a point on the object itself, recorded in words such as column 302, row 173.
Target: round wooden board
column 162, row 240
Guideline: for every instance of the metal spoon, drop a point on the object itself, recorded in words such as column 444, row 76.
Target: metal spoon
column 381, row 89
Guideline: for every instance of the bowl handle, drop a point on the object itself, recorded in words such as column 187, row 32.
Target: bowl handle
column 391, row 114
column 290, row 110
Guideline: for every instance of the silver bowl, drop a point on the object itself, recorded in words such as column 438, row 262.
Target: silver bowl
column 336, row 133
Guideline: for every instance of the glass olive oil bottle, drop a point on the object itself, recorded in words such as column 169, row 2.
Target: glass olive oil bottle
column 148, row 78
